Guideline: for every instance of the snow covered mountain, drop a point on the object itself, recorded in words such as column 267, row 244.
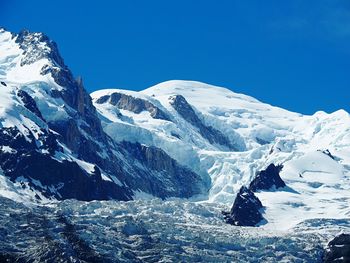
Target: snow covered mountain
column 232, row 137
column 52, row 141
column 214, row 149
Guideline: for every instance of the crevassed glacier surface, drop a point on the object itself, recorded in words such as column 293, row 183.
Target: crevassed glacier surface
column 151, row 231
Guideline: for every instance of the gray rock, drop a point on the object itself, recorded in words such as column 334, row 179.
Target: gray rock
column 246, row 209
column 268, row 179
column 60, row 179
column 338, row 249
column 29, row 103
column 136, row 105
column 167, row 178
column 213, row 135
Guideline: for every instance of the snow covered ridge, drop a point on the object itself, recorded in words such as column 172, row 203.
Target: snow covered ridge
column 52, row 142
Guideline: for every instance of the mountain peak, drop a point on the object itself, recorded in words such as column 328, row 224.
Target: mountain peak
column 192, row 90
column 36, row 46
column 171, row 85
column 29, row 56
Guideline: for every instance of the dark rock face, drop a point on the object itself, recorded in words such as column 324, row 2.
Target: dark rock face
column 136, row 105
column 88, row 149
column 29, row 103
column 338, row 250
column 62, row 180
column 246, row 210
column 167, row 177
column 268, row 179
column 186, row 111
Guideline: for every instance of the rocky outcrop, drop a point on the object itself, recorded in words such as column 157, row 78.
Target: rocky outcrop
column 246, row 210
column 268, row 179
column 82, row 131
column 37, row 46
column 167, row 178
column 29, row 103
column 135, row 105
column 186, row 111
column 338, row 249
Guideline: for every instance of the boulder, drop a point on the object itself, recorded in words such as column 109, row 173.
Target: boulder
column 246, row 210
column 338, row 249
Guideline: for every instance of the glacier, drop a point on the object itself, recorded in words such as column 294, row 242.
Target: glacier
column 151, row 231
column 318, row 185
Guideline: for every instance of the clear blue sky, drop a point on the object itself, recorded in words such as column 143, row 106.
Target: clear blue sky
column 293, row 54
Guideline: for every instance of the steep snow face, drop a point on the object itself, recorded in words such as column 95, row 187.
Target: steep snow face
column 317, row 185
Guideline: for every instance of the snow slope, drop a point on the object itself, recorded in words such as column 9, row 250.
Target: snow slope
column 264, row 134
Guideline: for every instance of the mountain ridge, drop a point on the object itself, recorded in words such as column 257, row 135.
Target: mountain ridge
column 69, row 115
